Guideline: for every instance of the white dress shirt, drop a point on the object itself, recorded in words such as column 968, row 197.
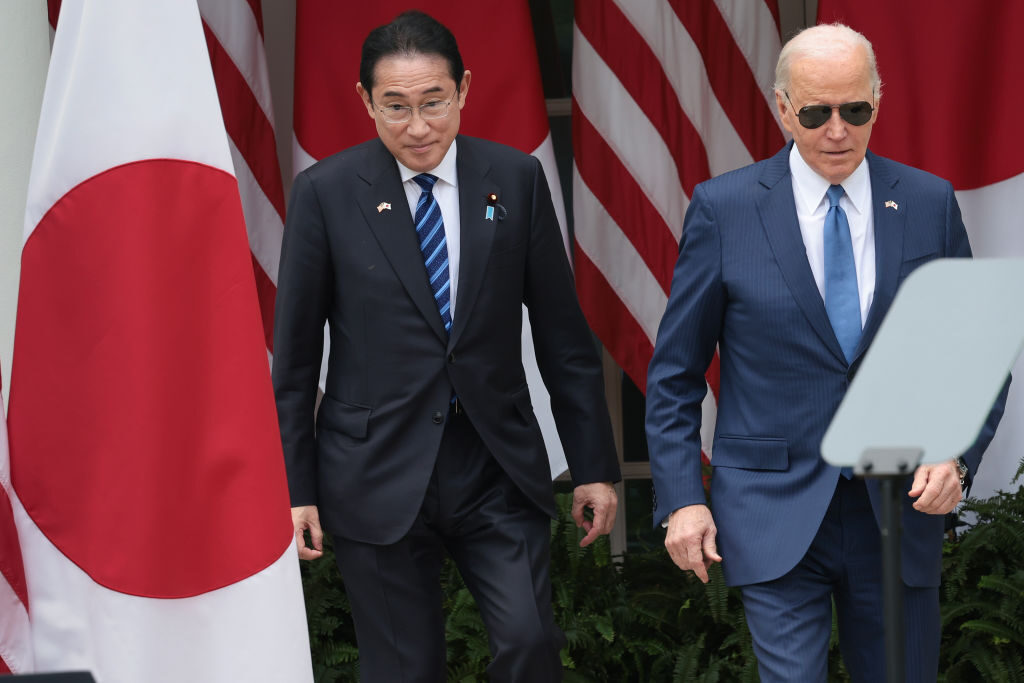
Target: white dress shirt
column 811, row 206
column 446, row 192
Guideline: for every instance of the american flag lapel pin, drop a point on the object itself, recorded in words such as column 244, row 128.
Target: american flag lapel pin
column 890, row 204
column 383, row 206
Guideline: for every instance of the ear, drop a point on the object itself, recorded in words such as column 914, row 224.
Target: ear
column 365, row 95
column 781, row 105
column 464, row 88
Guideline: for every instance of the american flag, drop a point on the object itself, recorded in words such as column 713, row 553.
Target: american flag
column 234, row 36
column 666, row 94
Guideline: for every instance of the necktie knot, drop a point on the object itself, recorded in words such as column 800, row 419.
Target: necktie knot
column 426, row 181
column 834, row 194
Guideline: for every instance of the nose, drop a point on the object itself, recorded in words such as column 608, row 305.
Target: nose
column 835, row 128
column 417, row 126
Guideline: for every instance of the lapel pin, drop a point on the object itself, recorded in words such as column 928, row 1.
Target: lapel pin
column 890, row 204
column 492, row 204
column 383, row 206
column 492, row 200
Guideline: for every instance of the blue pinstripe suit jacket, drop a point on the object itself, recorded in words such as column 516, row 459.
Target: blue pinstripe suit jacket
column 743, row 282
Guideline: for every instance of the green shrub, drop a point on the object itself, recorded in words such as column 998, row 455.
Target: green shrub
column 983, row 594
column 637, row 618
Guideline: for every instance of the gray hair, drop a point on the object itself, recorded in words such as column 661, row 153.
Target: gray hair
column 820, row 41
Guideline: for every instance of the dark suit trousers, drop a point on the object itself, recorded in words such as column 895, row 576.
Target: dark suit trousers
column 790, row 618
column 500, row 543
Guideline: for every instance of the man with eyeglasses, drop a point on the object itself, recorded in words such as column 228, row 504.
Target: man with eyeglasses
column 787, row 267
column 419, row 248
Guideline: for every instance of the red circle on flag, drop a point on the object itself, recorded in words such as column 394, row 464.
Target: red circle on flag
column 144, row 440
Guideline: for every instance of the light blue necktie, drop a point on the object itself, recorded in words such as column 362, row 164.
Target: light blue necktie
column 842, row 301
column 434, row 246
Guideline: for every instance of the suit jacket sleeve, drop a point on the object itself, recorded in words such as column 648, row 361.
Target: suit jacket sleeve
column 566, row 352
column 303, row 295
column 685, row 346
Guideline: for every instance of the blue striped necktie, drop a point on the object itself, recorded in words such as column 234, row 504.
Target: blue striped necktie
column 842, row 300
column 434, row 246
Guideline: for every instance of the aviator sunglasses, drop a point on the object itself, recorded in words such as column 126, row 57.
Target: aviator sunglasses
column 816, row 115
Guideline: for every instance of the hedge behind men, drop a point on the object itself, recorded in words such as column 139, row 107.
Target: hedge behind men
column 420, row 248
column 789, row 266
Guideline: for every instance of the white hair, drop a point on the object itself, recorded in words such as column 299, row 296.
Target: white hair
column 822, row 41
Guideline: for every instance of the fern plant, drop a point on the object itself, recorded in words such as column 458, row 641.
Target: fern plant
column 983, row 594
column 638, row 618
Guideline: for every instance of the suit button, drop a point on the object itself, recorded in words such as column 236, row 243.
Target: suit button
column 451, row 358
column 437, row 417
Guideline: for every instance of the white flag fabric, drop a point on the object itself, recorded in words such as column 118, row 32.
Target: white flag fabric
column 506, row 104
column 924, row 122
column 150, row 500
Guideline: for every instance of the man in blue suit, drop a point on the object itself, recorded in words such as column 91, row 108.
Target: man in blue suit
column 788, row 266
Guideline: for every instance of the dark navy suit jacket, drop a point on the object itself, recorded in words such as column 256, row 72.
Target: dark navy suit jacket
column 392, row 370
column 743, row 282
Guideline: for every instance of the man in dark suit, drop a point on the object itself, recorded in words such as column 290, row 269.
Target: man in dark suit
column 788, row 266
column 419, row 249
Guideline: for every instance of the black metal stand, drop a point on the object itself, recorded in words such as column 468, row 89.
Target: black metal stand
column 890, row 466
column 892, row 579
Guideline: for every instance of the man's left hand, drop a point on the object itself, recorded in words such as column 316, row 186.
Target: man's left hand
column 937, row 488
column 599, row 497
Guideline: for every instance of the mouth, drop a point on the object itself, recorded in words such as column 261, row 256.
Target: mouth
column 420, row 149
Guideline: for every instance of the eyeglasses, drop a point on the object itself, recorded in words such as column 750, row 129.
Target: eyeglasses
column 397, row 113
column 816, row 115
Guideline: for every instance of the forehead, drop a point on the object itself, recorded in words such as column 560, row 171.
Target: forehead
column 405, row 75
column 832, row 78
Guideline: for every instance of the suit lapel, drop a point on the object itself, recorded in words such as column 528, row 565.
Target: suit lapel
column 477, row 232
column 889, row 226
column 777, row 210
column 395, row 231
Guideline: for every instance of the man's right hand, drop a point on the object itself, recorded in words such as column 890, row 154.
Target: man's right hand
column 307, row 517
column 691, row 539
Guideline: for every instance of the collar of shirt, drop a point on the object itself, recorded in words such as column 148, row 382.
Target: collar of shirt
column 809, row 188
column 445, row 171
column 811, row 207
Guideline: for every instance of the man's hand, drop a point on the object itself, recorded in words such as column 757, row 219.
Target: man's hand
column 307, row 517
column 691, row 539
column 938, row 487
column 599, row 497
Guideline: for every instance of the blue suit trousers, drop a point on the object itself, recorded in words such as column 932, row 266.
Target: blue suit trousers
column 790, row 618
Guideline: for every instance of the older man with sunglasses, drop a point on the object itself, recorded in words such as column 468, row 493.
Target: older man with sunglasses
column 788, row 267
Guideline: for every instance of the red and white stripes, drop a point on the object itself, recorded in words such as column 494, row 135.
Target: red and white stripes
column 234, row 36
column 666, row 94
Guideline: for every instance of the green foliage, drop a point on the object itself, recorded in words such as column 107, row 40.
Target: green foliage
column 332, row 637
column 983, row 594
column 637, row 618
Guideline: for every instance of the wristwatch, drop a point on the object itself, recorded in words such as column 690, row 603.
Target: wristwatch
column 961, row 468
